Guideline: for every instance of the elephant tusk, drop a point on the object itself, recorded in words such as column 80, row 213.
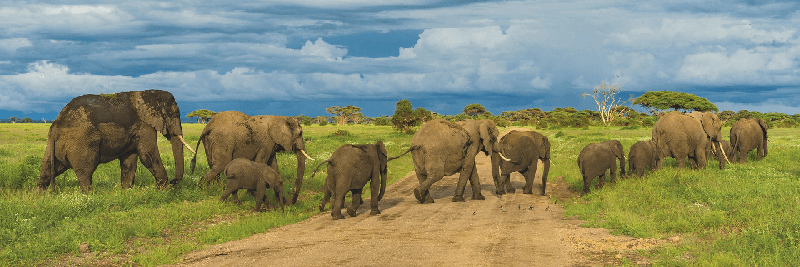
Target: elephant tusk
column 503, row 157
column 723, row 154
column 304, row 153
column 185, row 144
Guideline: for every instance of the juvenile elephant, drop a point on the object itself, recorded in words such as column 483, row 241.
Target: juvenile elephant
column 349, row 169
column 679, row 135
column 749, row 134
column 255, row 178
column 523, row 149
column 643, row 154
column 232, row 134
column 442, row 148
column 94, row 129
column 596, row 158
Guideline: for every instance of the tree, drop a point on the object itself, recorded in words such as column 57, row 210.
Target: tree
column 27, row 120
column 13, row 119
column 202, row 115
column 604, row 96
column 404, row 118
column 344, row 114
column 476, row 109
column 659, row 101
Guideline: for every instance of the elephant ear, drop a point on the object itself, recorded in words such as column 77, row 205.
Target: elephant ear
column 544, row 148
column 381, row 148
column 158, row 109
column 616, row 148
column 281, row 132
column 489, row 134
column 764, row 126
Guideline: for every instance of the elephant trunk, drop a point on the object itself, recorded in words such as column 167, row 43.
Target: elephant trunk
column 177, row 152
column 496, row 160
column 279, row 196
column 301, row 170
column 622, row 166
column 383, row 185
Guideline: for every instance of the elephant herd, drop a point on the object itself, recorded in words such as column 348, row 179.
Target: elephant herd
column 94, row 129
column 696, row 136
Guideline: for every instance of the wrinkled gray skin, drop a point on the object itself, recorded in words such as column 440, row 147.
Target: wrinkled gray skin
column 94, row 129
column 232, row 134
column 643, row 154
column 596, row 158
column 749, row 134
column 441, row 148
column 524, row 149
column 255, row 178
column 713, row 152
column 349, row 169
column 679, row 135
column 713, row 144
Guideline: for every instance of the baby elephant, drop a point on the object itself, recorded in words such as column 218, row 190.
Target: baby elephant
column 349, row 169
column 256, row 178
column 643, row 155
column 596, row 158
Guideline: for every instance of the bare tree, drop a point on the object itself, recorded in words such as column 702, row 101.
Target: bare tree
column 604, row 96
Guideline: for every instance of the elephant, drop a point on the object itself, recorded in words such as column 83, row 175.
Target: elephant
column 595, row 158
column 679, row 135
column 94, row 129
column 255, row 178
column 749, row 134
column 643, row 154
column 349, row 169
column 232, row 134
column 442, row 148
column 714, row 144
column 524, row 149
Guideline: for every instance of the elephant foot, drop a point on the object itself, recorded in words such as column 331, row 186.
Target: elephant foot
column 478, row 197
column 351, row 212
column 321, row 208
column 428, row 199
column 458, row 199
column 511, row 190
column 527, row 191
column 499, row 192
column 420, row 195
column 374, row 212
column 337, row 216
column 174, row 181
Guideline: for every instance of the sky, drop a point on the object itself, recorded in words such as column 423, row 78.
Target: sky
column 300, row 57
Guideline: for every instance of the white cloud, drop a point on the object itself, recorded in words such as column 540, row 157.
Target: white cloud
column 760, row 66
column 11, row 45
column 322, row 49
column 65, row 18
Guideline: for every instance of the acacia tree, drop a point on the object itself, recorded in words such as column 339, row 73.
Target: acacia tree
column 13, row 119
column 607, row 102
column 474, row 110
column 344, row 114
column 202, row 115
column 405, row 118
column 658, row 102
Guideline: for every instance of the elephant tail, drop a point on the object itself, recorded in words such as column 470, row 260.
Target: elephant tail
column 412, row 148
column 320, row 165
column 196, row 148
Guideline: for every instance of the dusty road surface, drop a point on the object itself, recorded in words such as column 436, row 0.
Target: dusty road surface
column 515, row 230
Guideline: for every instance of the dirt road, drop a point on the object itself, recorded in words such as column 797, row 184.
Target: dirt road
column 515, row 230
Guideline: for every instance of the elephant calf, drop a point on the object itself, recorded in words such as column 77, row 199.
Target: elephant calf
column 524, row 149
column 643, row 154
column 349, row 169
column 256, row 178
column 596, row 158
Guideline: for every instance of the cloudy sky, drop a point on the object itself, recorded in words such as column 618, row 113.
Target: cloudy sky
column 299, row 57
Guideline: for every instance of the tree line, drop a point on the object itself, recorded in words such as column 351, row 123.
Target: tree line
column 611, row 111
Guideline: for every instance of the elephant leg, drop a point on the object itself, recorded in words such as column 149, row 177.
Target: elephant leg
column 127, row 165
column 325, row 198
column 336, row 205
column 586, row 182
column 150, row 157
column 235, row 197
column 508, row 186
column 476, row 185
column 681, row 161
column 230, row 190
column 46, row 178
column 355, row 203
column 602, row 181
column 426, row 180
column 260, row 195
column 613, row 173
column 375, row 191
column 529, row 176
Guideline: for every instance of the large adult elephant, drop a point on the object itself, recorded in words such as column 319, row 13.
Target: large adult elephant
column 524, row 149
column 713, row 145
column 679, row 135
column 442, row 148
column 749, row 134
column 232, row 134
column 94, row 129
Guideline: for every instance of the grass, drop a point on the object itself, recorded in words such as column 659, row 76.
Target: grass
column 145, row 225
column 743, row 215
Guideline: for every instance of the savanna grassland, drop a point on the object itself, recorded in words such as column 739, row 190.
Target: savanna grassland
column 743, row 215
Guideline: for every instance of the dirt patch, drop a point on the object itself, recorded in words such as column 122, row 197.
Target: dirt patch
column 515, row 229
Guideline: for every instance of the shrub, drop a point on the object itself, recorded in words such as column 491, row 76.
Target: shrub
column 323, row 123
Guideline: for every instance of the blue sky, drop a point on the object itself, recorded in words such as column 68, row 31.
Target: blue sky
column 299, row 57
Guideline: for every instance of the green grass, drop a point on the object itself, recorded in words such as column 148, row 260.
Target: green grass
column 145, row 225
column 744, row 215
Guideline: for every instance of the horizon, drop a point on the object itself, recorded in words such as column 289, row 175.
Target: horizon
column 300, row 57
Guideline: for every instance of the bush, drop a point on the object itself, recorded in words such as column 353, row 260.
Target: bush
column 323, row 123
column 382, row 121
column 341, row 132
